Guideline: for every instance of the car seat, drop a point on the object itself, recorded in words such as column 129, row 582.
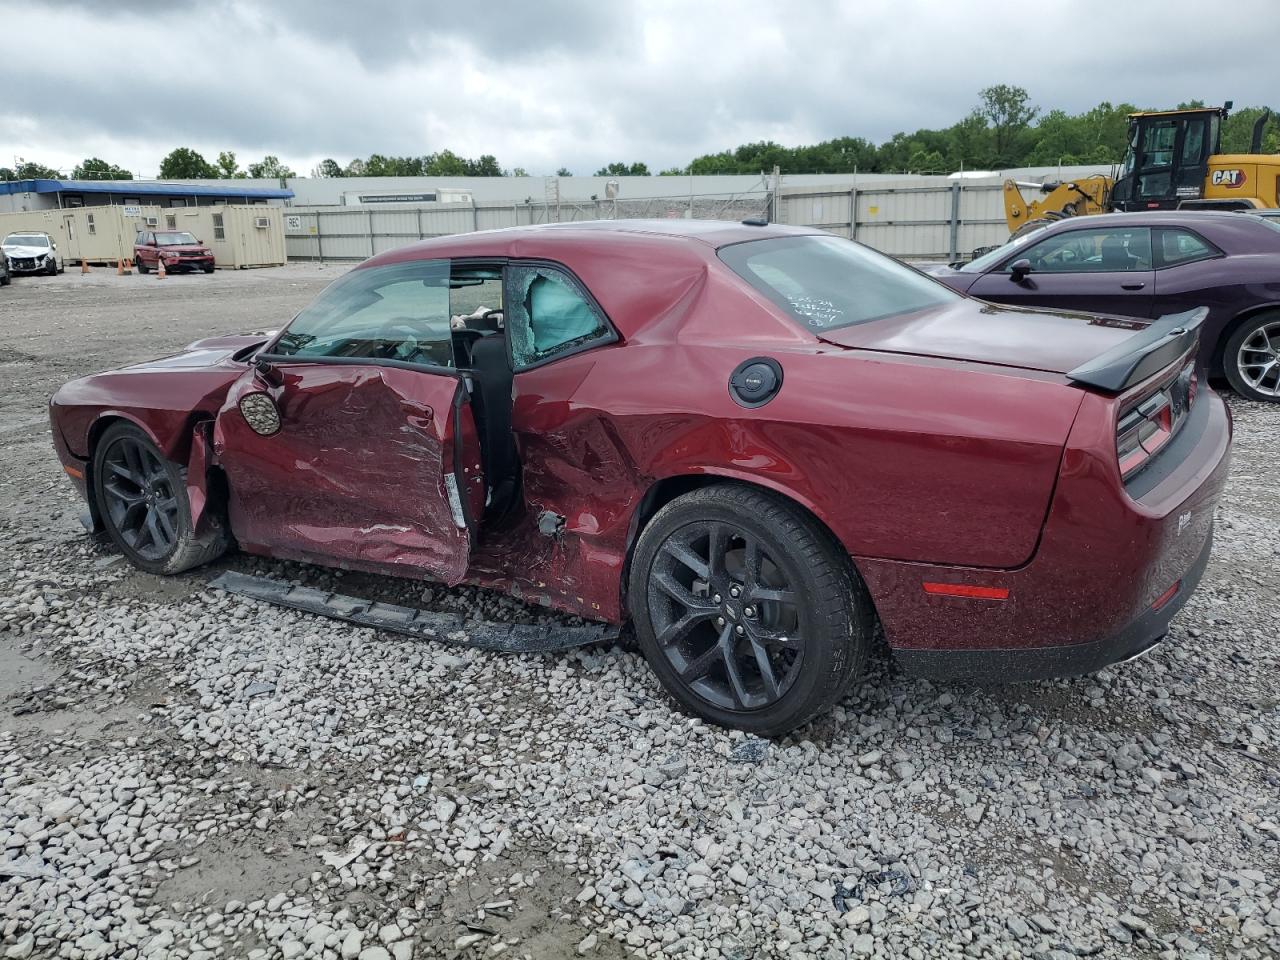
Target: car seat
column 1114, row 254
column 492, row 405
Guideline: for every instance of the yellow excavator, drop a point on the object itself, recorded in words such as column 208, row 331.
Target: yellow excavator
column 1172, row 160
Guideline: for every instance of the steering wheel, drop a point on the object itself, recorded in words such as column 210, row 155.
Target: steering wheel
column 488, row 320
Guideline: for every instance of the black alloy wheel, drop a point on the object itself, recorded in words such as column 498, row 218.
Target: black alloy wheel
column 726, row 615
column 142, row 499
column 747, row 610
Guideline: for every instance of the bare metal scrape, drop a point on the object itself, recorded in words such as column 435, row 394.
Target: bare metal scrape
column 449, row 628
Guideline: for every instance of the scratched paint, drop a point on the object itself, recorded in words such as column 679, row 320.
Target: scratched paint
column 356, row 473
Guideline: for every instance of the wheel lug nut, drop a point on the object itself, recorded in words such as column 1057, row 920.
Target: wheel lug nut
column 739, row 630
column 719, row 621
column 734, row 592
column 749, row 611
column 717, row 598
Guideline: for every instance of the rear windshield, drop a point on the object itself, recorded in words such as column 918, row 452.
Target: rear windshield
column 825, row 283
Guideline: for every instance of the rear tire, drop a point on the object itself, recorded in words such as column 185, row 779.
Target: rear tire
column 208, row 269
column 142, row 499
column 1251, row 358
column 748, row 611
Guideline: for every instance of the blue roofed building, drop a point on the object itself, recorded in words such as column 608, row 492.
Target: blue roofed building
column 31, row 195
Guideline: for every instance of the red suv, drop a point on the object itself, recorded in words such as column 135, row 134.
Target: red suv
column 176, row 249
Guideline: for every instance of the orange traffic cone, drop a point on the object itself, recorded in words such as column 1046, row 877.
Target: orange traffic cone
column 160, row 274
column 119, row 267
column 84, row 266
column 128, row 267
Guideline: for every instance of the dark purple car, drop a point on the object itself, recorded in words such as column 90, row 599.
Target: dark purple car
column 1149, row 265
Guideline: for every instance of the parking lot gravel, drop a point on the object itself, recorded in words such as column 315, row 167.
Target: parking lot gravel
column 188, row 774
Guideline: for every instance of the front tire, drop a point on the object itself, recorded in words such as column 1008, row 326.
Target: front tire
column 750, row 614
column 142, row 499
column 1251, row 358
column 52, row 269
column 142, row 265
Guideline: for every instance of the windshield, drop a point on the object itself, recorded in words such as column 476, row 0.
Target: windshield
column 175, row 239
column 989, row 259
column 826, row 283
column 26, row 240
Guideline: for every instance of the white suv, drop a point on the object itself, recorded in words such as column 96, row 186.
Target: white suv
column 31, row 253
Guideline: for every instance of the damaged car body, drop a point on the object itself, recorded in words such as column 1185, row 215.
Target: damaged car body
column 750, row 442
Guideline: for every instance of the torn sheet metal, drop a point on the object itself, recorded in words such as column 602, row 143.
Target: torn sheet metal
column 450, row 628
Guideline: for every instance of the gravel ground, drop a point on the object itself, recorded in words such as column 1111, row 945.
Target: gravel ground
column 188, row 774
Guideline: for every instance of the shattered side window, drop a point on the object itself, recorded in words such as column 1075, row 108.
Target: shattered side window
column 547, row 314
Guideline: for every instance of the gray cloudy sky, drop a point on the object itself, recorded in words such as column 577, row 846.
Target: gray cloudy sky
column 578, row 83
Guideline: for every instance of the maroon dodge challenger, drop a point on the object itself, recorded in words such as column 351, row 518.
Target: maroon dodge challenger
column 751, row 442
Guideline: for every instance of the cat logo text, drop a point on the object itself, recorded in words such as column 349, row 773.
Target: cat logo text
column 1228, row 178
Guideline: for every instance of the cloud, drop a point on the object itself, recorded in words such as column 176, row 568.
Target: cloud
column 572, row 82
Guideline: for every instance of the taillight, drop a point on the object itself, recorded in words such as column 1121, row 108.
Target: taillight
column 1149, row 423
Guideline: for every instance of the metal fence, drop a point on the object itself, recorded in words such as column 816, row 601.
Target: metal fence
column 354, row 233
column 931, row 221
column 918, row 218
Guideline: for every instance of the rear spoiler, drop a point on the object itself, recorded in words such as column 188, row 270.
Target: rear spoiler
column 1144, row 354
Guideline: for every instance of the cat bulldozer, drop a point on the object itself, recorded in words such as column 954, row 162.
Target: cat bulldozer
column 1173, row 160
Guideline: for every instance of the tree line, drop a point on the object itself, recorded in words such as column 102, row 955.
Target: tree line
column 181, row 164
column 1004, row 129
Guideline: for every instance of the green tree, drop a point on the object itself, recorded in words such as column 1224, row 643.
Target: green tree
column 519, row 172
column 186, row 164
column 328, row 168
column 1237, row 131
column 623, row 170
column 926, row 161
column 1009, row 112
column 355, row 168
column 486, row 165
column 228, row 168
column 269, row 167
column 564, row 172
column 713, row 163
column 446, row 163
column 31, row 170
column 95, row 169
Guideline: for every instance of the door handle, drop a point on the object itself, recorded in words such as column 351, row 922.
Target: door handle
column 1137, row 285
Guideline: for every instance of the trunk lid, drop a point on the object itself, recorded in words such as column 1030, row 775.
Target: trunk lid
column 1054, row 341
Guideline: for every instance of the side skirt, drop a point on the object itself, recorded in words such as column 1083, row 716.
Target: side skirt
column 448, row 628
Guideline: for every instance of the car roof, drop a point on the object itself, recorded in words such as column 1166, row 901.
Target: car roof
column 601, row 235
column 1148, row 218
column 639, row 271
column 1156, row 218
